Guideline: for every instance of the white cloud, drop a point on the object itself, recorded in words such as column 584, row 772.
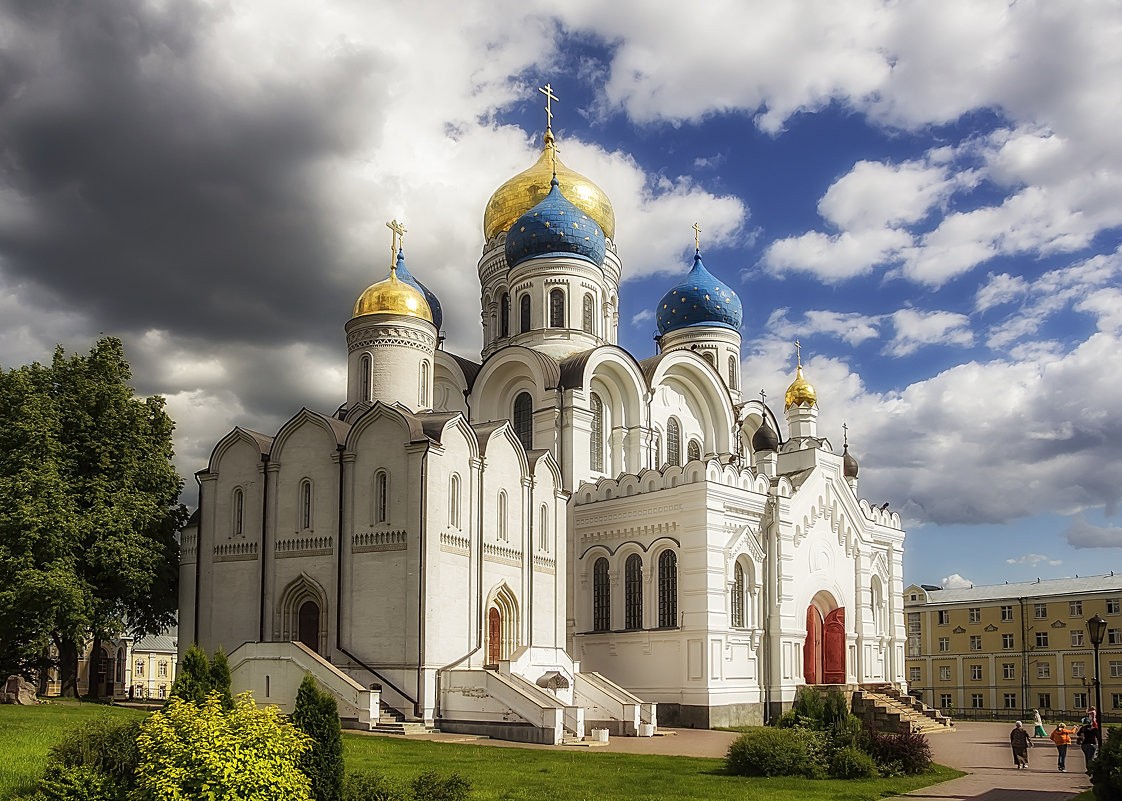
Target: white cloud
column 1082, row 534
column 999, row 289
column 916, row 329
column 955, row 582
column 835, row 257
column 1033, row 559
column 874, row 195
column 645, row 316
column 850, row 327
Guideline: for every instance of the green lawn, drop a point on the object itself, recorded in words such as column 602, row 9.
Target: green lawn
column 497, row 774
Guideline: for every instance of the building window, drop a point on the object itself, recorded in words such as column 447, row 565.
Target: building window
column 693, row 450
column 975, row 642
column 423, row 395
column 239, row 512
column 913, row 674
column 975, row 672
column 732, row 372
column 454, row 501
column 1044, row 700
column 556, row 308
column 945, row 700
column 1077, row 670
column 500, row 532
column 976, row 701
column 138, row 670
column 1075, row 608
column 944, row 644
column 1113, row 637
column 1006, row 641
column 305, row 504
column 163, row 691
column 975, row 614
column 1041, row 639
column 1116, row 700
column 633, row 592
column 504, row 315
column 1077, row 638
column 381, row 496
column 601, row 596
column 673, row 442
column 1010, row 700
column 944, row 672
column 524, row 419
column 1079, row 700
column 596, row 440
column 1008, row 670
column 1113, row 606
column 1115, row 669
column 1040, row 611
column 1006, row 613
column 667, row 589
column 162, row 670
column 913, row 623
column 543, row 528
column 944, row 617
column 1043, row 670
column 524, row 314
column 364, row 376
column 738, row 596
column 587, row 318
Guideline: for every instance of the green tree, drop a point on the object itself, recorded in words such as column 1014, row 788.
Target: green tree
column 88, row 509
column 220, row 678
column 193, row 681
column 317, row 715
column 190, row 751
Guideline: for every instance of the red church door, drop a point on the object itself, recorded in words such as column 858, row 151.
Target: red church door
column 833, row 638
column 494, row 636
column 812, row 647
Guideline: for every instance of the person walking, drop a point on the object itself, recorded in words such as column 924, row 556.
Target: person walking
column 1061, row 736
column 1038, row 725
column 1019, row 740
column 1088, row 739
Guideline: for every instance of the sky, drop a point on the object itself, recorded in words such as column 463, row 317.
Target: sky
column 928, row 196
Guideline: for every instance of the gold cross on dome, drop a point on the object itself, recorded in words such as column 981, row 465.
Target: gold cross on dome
column 398, row 236
column 798, row 354
column 697, row 237
column 547, row 90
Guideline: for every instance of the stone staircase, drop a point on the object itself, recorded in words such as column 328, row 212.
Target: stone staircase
column 883, row 707
column 391, row 721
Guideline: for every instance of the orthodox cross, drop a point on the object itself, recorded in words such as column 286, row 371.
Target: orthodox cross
column 547, row 90
column 845, row 435
column 398, row 236
column 697, row 237
column 763, row 398
column 798, row 354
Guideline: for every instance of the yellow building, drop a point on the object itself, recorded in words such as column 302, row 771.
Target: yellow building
column 1003, row 650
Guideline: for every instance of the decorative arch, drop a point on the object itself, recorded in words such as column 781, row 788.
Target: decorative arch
column 824, row 647
column 876, row 606
column 693, row 450
column 702, row 389
column 301, row 614
column 673, row 442
column 502, row 624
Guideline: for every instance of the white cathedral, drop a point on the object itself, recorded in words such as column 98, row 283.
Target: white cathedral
column 555, row 537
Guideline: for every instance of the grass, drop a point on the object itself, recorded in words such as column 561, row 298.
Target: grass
column 496, row 774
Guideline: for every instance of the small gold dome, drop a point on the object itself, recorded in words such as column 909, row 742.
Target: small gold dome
column 800, row 393
column 392, row 296
column 525, row 190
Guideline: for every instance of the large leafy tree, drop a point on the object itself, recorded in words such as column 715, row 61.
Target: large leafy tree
column 88, row 508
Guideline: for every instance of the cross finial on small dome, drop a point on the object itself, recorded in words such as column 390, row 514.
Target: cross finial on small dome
column 845, row 435
column 397, row 237
column 798, row 354
column 697, row 237
column 547, row 90
column 763, row 398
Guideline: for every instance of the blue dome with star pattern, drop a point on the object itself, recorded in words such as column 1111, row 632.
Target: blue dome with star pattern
column 700, row 299
column 554, row 227
column 407, row 277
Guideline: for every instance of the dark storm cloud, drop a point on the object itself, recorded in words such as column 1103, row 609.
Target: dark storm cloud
column 163, row 194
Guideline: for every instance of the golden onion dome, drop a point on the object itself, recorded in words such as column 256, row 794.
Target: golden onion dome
column 525, row 190
column 393, row 296
column 800, row 393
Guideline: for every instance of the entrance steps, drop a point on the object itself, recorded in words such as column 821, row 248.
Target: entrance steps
column 884, row 707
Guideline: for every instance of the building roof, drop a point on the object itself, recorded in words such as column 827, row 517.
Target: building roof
column 1024, row 589
column 167, row 641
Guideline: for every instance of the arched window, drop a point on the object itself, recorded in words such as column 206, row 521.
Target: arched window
column 524, row 313
column 524, row 419
column 500, row 532
column 543, row 528
column 587, row 317
column 693, row 450
column 732, row 372
column 454, row 501
column 876, row 601
column 633, row 592
column 596, row 440
column 657, row 446
column 305, row 504
column 738, row 596
column 709, row 357
column 239, row 512
column 504, row 315
column 667, row 590
column 364, row 376
column 556, row 308
column 601, row 596
column 381, row 496
column 424, row 393
column 673, row 441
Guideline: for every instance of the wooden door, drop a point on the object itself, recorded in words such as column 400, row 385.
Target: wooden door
column 833, row 656
column 494, row 636
column 812, row 647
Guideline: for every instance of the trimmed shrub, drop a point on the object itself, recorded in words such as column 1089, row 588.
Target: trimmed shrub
column 77, row 783
column 317, row 715
column 768, row 752
column 373, row 787
column 104, row 745
column 852, row 763
column 431, row 786
column 219, row 678
column 1106, row 768
column 896, row 754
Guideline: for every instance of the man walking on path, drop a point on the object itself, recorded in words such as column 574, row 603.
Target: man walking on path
column 1061, row 736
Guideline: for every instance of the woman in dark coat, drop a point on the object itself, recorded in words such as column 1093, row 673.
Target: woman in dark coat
column 1019, row 739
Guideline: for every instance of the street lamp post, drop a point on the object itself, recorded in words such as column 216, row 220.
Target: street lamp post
column 1096, row 628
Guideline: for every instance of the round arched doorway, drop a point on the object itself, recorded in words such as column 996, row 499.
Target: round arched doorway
column 824, row 647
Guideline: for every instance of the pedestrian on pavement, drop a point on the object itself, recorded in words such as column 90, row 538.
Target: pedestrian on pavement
column 1038, row 725
column 1061, row 736
column 1019, row 739
column 1088, row 739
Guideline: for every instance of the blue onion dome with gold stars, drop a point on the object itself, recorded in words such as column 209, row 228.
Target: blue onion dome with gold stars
column 700, row 299
column 403, row 274
column 554, row 227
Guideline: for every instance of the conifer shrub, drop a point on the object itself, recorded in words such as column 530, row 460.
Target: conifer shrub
column 317, row 715
column 808, row 704
column 897, row 754
column 769, row 752
column 852, row 763
column 192, row 681
column 1106, row 768
column 219, row 678
column 431, row 786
